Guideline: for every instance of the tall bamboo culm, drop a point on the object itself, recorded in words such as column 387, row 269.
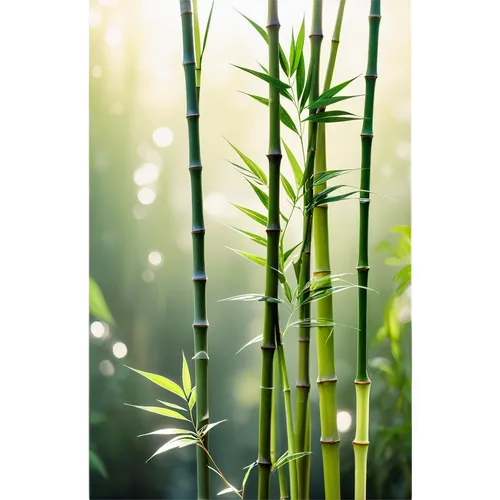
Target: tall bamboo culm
column 327, row 379
column 200, row 323
column 303, row 385
column 272, row 259
column 361, row 439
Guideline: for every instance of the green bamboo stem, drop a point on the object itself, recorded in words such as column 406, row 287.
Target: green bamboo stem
column 327, row 379
column 197, row 47
column 361, row 439
column 272, row 258
column 303, row 381
column 292, row 465
column 200, row 323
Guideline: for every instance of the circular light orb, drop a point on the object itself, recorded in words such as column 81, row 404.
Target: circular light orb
column 155, row 258
column 148, row 276
column 146, row 174
column 146, row 196
column 95, row 17
column 163, row 137
column 120, row 350
column 97, row 329
column 113, row 36
column 106, row 368
column 96, row 71
column 344, row 421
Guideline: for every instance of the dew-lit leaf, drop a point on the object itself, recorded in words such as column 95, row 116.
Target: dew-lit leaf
column 256, row 216
column 168, row 432
column 207, row 428
column 256, row 170
column 232, row 489
column 177, row 442
column 186, row 377
column 164, row 382
column 253, row 341
column 261, row 261
column 165, row 412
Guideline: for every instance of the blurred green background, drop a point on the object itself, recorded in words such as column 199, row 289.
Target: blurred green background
column 140, row 241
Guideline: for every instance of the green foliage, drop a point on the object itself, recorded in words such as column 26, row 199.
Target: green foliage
column 207, row 29
column 97, row 304
column 97, row 464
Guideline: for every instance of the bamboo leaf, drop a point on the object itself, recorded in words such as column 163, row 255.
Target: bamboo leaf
column 323, row 177
column 292, row 53
column 321, row 118
column 177, row 442
column 254, row 258
column 288, row 291
column 254, row 237
column 288, row 188
column 171, row 405
column 160, row 411
column 323, row 103
column 164, row 382
column 285, row 458
column 97, row 304
column 205, row 429
column 283, row 62
column 97, row 464
column 186, row 377
column 192, row 398
column 285, row 117
column 289, row 252
column 246, row 172
column 253, row 341
column 256, row 216
column 301, row 75
column 247, row 475
column 263, row 197
column 259, row 29
column 274, row 82
column 256, row 170
column 404, row 230
column 205, row 37
column 297, row 171
column 327, row 114
column 307, row 88
column 298, row 49
column 263, row 68
column 232, row 489
column 168, row 432
column 331, row 199
column 332, row 92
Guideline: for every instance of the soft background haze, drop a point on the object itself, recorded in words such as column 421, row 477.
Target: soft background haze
column 140, row 241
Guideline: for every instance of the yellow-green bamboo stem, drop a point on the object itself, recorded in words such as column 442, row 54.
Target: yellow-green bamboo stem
column 197, row 46
column 272, row 259
column 361, row 439
column 200, row 322
column 327, row 379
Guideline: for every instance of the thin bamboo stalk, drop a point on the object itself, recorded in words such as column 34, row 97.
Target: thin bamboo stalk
column 197, row 47
column 272, row 258
column 327, row 378
column 362, row 382
column 200, row 323
column 303, row 381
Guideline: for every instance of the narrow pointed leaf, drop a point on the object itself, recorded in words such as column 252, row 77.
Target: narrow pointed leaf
column 246, row 172
column 256, row 216
column 297, row 171
column 164, row 382
column 253, row 341
column 262, row 32
column 186, row 377
column 267, row 78
column 254, row 237
column 247, row 475
column 292, row 53
column 165, row 412
column 288, row 291
column 283, row 62
column 327, row 114
column 298, row 49
column 256, row 170
column 254, row 258
column 307, row 88
column 263, row 68
column 97, row 464
column 323, row 177
column 333, row 91
column 168, row 432
column 263, row 197
column 209, row 427
column 288, row 188
column 192, row 398
column 205, row 37
column 177, row 442
column 97, row 304
column 253, row 297
column 301, row 76
column 171, row 405
column 232, row 489
column 285, row 458
column 285, row 117
column 289, row 252
column 323, row 103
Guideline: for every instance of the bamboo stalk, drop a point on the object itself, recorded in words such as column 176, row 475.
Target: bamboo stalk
column 303, row 381
column 327, row 379
column 272, row 258
column 200, row 323
column 362, row 382
column 197, row 47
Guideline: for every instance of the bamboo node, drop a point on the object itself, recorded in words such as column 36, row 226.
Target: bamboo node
column 273, row 25
column 371, row 76
column 330, row 441
column 198, row 230
column 374, row 16
column 274, row 155
column 199, row 278
column 186, row 13
column 369, row 136
column 192, row 115
column 321, row 271
column 361, row 443
column 264, row 462
column 327, row 380
column 267, row 388
column 273, row 229
column 304, row 339
column 365, row 200
column 188, row 63
column 363, row 382
column 195, row 167
column 303, row 384
column 316, row 35
column 362, row 268
column 267, row 346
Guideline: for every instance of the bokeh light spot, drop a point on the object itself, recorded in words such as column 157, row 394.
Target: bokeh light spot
column 146, row 174
column 163, row 137
column 148, row 276
column 113, row 36
column 106, row 368
column 344, row 421
column 146, row 196
column 95, row 17
column 98, row 329
column 120, row 350
column 155, row 258
column 97, row 72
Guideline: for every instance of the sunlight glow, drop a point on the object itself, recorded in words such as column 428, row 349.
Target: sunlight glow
column 140, row 212
column 163, row 137
column 113, row 36
column 216, row 204
column 146, row 196
column 106, row 368
column 95, row 17
column 108, row 2
column 98, row 329
column 344, row 421
column 148, row 276
column 155, row 258
column 146, row 174
column 120, row 350
column 97, row 72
